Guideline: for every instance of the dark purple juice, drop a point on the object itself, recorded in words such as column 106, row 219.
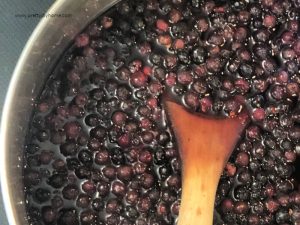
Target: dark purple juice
column 100, row 149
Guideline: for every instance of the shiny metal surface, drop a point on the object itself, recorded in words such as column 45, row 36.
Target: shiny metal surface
column 47, row 43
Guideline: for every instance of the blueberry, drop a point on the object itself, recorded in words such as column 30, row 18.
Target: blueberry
column 57, row 180
column 89, row 187
column 70, row 192
column 69, row 148
column 88, row 217
column 68, row 217
column 57, row 202
column 42, row 195
column 103, row 188
column 48, row 214
column 92, row 120
column 82, row 172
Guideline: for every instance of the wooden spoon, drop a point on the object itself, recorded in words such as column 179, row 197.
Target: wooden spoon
column 205, row 144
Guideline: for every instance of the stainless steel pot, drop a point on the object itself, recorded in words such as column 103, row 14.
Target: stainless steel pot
column 47, row 43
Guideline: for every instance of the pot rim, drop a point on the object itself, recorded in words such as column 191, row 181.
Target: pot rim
column 9, row 100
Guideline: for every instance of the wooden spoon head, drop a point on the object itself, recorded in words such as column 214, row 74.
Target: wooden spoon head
column 204, row 138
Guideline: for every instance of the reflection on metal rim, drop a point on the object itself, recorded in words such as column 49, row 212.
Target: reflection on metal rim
column 45, row 46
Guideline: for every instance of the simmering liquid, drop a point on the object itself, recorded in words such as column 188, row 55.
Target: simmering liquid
column 101, row 148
